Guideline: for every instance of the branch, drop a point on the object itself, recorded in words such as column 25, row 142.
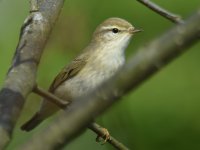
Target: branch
column 161, row 11
column 146, row 62
column 93, row 126
column 21, row 76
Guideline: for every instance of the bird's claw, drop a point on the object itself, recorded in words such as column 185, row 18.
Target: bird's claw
column 105, row 136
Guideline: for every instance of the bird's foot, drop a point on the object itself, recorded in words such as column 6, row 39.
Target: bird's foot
column 105, row 136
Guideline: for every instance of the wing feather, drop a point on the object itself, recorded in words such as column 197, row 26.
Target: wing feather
column 68, row 72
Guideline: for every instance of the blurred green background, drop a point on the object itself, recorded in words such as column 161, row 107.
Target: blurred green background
column 162, row 114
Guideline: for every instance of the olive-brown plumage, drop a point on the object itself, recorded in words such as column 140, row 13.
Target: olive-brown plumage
column 98, row 62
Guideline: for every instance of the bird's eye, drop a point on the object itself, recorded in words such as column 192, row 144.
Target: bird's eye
column 115, row 30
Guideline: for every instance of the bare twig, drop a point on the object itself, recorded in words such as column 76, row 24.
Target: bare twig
column 93, row 126
column 161, row 11
column 147, row 61
column 21, row 76
column 51, row 97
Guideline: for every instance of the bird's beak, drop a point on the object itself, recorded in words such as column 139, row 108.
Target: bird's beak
column 134, row 30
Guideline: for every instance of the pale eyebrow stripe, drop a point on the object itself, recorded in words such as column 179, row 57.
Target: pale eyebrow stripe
column 109, row 28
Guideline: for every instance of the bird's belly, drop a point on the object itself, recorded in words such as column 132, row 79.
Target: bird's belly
column 82, row 84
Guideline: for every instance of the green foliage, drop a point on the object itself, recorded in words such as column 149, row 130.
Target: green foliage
column 163, row 113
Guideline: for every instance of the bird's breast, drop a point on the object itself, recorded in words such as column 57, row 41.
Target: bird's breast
column 97, row 70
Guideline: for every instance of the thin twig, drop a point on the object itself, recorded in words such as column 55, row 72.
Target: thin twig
column 93, row 126
column 51, row 97
column 161, row 11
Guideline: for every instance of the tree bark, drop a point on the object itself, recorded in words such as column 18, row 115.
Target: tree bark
column 21, row 76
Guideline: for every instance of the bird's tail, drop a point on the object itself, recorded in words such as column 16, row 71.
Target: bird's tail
column 32, row 123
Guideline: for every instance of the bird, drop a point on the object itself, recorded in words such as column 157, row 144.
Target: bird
column 98, row 62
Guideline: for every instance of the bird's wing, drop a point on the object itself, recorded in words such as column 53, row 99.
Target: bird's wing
column 68, row 72
column 47, row 107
